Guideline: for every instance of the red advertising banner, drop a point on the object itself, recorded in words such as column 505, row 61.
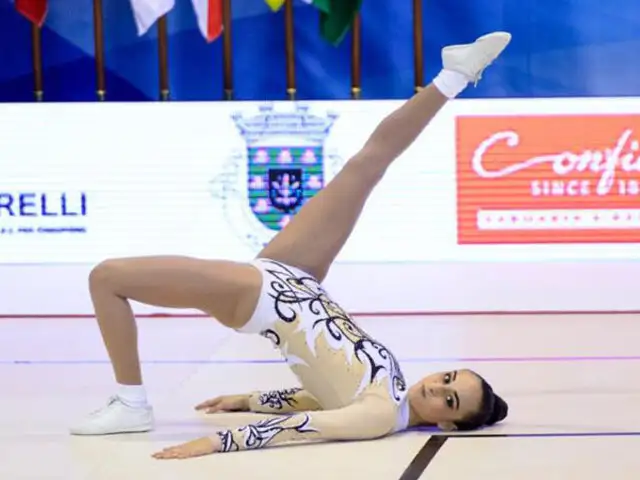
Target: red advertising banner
column 548, row 179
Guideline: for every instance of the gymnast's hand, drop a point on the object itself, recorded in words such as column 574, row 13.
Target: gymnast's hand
column 226, row 403
column 195, row 448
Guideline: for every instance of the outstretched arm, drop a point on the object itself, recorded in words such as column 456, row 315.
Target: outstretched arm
column 283, row 401
column 370, row 418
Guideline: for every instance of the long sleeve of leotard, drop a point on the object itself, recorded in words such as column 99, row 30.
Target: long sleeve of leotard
column 371, row 417
column 283, row 401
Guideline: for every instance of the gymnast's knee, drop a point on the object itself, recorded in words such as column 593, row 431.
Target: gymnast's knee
column 105, row 275
column 367, row 165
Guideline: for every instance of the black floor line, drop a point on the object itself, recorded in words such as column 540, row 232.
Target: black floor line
column 433, row 445
column 546, row 435
column 424, row 457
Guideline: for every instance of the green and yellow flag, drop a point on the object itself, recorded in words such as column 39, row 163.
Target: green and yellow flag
column 275, row 5
column 336, row 17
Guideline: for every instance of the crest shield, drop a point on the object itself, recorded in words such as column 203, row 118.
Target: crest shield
column 285, row 162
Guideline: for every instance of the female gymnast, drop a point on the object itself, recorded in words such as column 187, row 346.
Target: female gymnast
column 352, row 385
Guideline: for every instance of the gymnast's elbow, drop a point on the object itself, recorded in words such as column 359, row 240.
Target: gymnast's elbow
column 366, row 425
column 375, row 429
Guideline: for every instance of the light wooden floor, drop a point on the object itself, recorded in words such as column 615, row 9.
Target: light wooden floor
column 561, row 375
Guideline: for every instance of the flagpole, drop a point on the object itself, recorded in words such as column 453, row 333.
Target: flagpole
column 356, row 51
column 36, row 50
column 98, row 38
column 291, row 63
column 163, row 54
column 227, row 50
column 418, row 56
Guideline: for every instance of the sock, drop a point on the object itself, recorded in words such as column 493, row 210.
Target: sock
column 450, row 83
column 133, row 395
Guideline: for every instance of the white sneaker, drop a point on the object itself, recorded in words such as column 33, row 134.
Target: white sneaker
column 116, row 417
column 471, row 59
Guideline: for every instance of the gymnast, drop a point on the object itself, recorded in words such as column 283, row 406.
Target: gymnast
column 352, row 387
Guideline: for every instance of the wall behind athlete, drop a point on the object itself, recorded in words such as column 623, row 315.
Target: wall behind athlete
column 493, row 213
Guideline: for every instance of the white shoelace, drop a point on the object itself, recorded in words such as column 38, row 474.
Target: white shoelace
column 110, row 402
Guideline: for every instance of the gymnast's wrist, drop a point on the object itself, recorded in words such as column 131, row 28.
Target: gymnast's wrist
column 251, row 401
column 246, row 402
column 222, row 441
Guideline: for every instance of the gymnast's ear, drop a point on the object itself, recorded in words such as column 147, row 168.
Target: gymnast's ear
column 447, row 426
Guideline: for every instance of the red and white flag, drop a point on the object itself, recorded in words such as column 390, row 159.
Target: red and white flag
column 209, row 14
column 34, row 10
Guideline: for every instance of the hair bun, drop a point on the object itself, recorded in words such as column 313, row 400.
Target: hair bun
column 499, row 412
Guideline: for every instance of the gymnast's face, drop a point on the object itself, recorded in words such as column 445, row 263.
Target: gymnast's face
column 446, row 397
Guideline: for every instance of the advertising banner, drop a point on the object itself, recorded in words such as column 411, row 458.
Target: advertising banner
column 543, row 179
column 548, row 178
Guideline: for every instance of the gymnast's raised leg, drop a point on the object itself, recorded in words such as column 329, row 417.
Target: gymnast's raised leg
column 317, row 233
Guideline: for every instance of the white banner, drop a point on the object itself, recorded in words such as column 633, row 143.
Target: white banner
column 84, row 182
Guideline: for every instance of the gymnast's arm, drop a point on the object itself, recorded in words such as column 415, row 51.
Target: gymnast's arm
column 273, row 401
column 372, row 417
column 283, row 401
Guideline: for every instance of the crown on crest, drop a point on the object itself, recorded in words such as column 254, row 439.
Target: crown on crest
column 270, row 123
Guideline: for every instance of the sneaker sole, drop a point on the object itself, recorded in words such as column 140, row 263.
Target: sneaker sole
column 123, row 431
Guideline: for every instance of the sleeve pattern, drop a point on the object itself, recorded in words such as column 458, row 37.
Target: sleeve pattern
column 279, row 399
column 265, row 432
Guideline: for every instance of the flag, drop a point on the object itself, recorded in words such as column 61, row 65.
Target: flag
column 34, row 10
column 336, row 17
column 209, row 13
column 275, row 5
column 147, row 12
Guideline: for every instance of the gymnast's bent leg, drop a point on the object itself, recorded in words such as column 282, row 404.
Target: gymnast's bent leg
column 225, row 290
column 317, row 233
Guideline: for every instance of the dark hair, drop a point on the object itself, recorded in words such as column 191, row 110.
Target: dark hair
column 493, row 409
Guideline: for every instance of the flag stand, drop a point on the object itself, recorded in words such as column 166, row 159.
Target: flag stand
column 98, row 37
column 36, row 50
column 163, row 54
column 291, row 62
column 356, row 53
column 418, row 56
column 227, row 50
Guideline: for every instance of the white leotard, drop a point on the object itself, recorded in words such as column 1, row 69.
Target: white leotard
column 352, row 385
